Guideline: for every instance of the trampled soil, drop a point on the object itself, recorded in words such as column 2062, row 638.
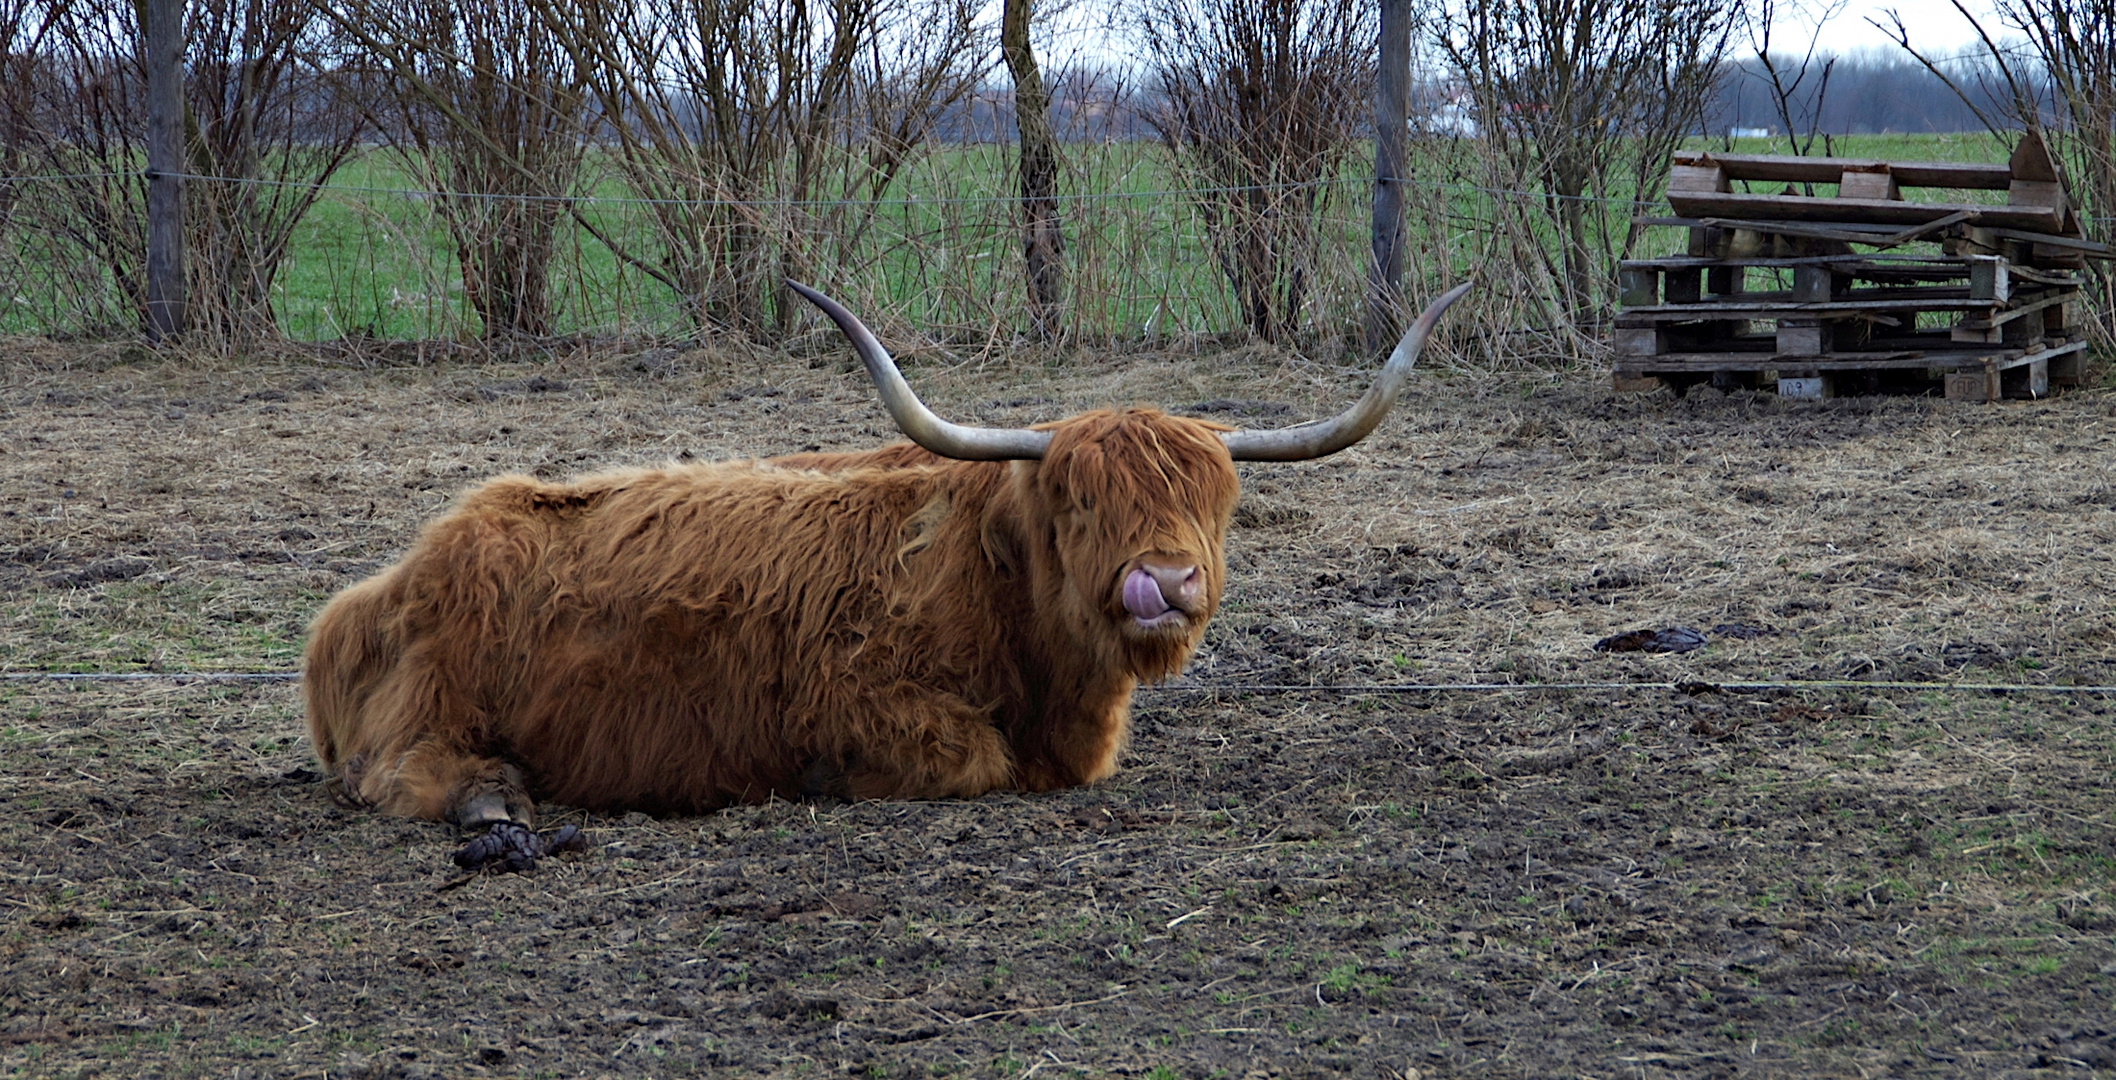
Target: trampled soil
column 1310, row 876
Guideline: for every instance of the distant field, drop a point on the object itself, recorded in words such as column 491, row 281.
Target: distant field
column 939, row 252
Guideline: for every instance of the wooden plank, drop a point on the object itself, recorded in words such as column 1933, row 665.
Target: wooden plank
column 1781, row 306
column 1835, row 230
column 1814, row 284
column 1639, row 341
column 2036, row 193
column 1626, row 383
column 1972, row 385
column 2068, row 368
column 1827, row 170
column 1872, row 260
column 2061, row 317
column 1940, row 358
column 1805, row 337
column 1706, row 242
column 1706, row 177
column 2033, row 219
column 2026, row 307
column 1868, row 182
column 1807, row 388
column 2031, row 159
column 2045, row 277
column 1930, row 227
column 2074, row 243
column 1988, row 280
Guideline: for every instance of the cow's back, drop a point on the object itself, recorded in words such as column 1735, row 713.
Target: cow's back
column 685, row 638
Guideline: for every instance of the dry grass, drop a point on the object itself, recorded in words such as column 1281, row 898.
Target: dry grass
column 1494, row 527
column 1532, row 883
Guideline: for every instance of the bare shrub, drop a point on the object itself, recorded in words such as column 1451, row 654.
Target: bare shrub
column 1260, row 104
column 2064, row 90
column 265, row 114
column 485, row 107
column 1579, row 103
column 1796, row 90
column 764, row 134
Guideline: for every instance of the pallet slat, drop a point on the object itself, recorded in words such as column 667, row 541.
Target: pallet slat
column 1934, row 359
column 2033, row 219
column 1827, row 170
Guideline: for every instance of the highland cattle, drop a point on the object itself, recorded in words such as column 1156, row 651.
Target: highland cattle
column 967, row 612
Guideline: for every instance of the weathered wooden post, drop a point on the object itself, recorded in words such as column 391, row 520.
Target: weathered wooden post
column 1043, row 237
column 162, row 44
column 1392, row 113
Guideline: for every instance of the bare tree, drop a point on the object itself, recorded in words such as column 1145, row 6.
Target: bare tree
column 748, row 125
column 1260, row 102
column 264, row 119
column 1043, row 237
column 2063, row 90
column 1581, row 102
column 1799, row 112
column 485, row 107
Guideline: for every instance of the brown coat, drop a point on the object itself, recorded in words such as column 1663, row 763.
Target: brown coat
column 886, row 624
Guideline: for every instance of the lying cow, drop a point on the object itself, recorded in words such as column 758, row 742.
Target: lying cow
column 935, row 620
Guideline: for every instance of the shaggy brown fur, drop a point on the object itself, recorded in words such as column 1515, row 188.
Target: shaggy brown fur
column 885, row 624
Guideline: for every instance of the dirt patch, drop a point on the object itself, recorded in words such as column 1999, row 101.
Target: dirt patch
column 1399, row 883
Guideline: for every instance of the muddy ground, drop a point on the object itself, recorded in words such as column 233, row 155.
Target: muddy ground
column 1301, row 880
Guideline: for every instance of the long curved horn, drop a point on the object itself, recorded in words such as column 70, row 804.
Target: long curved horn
column 1319, row 438
column 911, row 415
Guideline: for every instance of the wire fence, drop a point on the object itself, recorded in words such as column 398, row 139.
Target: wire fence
column 1151, row 255
column 1692, row 687
column 939, row 253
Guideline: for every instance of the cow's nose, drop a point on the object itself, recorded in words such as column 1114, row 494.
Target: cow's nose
column 1180, row 585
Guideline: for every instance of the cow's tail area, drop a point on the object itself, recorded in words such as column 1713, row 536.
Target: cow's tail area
column 349, row 652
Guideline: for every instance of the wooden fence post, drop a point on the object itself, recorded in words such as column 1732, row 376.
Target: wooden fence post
column 162, row 44
column 1392, row 111
column 1043, row 236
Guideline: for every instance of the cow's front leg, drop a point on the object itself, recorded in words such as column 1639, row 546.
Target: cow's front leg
column 923, row 746
column 479, row 794
column 498, row 801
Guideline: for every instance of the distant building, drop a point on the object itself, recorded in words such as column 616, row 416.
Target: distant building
column 1451, row 116
column 1751, row 132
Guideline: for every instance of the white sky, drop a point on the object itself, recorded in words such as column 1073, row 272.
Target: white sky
column 1934, row 25
column 1083, row 27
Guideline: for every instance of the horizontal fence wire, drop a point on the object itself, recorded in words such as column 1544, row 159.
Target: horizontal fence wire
column 908, row 201
column 1692, row 687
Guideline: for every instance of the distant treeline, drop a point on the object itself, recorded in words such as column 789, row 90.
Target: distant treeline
column 1863, row 93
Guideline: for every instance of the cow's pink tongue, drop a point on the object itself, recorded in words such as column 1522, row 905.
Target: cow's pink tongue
column 1142, row 595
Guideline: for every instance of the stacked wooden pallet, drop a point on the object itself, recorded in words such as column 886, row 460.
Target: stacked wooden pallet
column 1776, row 284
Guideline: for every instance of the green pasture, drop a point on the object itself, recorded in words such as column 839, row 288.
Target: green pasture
column 939, row 249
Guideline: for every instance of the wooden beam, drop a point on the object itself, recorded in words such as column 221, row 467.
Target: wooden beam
column 1829, row 170
column 1392, row 112
column 162, row 45
column 2039, row 219
column 1869, row 182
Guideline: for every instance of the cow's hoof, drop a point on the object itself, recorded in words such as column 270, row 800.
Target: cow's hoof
column 510, row 848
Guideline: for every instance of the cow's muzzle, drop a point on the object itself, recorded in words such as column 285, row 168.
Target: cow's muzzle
column 1158, row 595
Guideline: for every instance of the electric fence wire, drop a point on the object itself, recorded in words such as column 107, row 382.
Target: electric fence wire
column 1686, row 686
column 943, row 200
